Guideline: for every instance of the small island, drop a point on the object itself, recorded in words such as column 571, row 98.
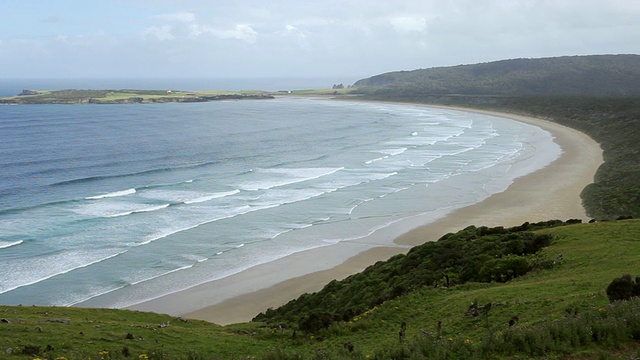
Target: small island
column 74, row 96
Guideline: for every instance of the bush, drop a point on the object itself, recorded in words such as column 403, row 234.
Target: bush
column 474, row 254
column 316, row 321
column 623, row 288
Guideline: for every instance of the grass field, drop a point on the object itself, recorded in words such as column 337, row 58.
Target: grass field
column 74, row 96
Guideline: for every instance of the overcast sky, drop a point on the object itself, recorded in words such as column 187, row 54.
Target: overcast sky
column 298, row 38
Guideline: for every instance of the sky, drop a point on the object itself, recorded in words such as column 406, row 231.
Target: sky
column 298, row 38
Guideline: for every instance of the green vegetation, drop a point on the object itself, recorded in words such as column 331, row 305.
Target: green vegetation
column 471, row 255
column 570, row 75
column 128, row 96
column 553, row 312
column 623, row 288
column 73, row 333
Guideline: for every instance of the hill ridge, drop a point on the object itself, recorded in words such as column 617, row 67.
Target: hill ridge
column 564, row 75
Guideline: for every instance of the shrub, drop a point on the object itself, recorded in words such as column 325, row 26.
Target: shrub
column 620, row 288
column 316, row 321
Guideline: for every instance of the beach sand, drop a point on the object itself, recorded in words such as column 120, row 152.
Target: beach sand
column 549, row 193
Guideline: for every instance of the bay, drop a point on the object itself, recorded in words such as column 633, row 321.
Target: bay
column 150, row 199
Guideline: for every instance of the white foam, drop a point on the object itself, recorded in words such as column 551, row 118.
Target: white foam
column 115, row 208
column 212, row 196
column 184, row 267
column 142, row 210
column 226, row 214
column 354, row 179
column 113, row 194
column 93, row 295
column 290, row 229
column 280, row 233
column 358, row 204
column 40, row 269
column 275, row 198
column 415, row 141
column 388, row 153
column 6, row 244
column 369, row 162
column 393, row 152
column 287, row 176
column 194, row 257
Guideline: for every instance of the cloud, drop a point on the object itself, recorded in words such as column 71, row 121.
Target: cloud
column 184, row 25
column 306, row 38
column 242, row 32
column 161, row 33
column 297, row 34
column 409, row 24
column 239, row 31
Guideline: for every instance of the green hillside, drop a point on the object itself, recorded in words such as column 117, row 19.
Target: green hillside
column 568, row 75
column 482, row 255
column 560, row 310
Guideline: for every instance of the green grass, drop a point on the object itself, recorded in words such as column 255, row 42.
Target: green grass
column 74, row 96
column 91, row 332
column 592, row 255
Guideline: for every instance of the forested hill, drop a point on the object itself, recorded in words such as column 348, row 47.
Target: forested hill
column 568, row 75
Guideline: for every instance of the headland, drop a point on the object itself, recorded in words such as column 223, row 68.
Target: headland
column 76, row 96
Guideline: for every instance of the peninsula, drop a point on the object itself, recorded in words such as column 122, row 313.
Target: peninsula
column 127, row 96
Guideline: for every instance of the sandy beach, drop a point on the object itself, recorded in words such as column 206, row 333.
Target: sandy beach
column 549, row 193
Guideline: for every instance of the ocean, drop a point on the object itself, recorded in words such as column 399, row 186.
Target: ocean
column 148, row 199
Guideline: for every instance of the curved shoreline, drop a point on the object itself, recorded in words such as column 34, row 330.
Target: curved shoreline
column 552, row 192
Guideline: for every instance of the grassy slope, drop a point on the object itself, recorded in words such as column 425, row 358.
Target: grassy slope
column 91, row 331
column 588, row 75
column 592, row 255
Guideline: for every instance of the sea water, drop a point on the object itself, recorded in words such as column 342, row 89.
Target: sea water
column 148, row 199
